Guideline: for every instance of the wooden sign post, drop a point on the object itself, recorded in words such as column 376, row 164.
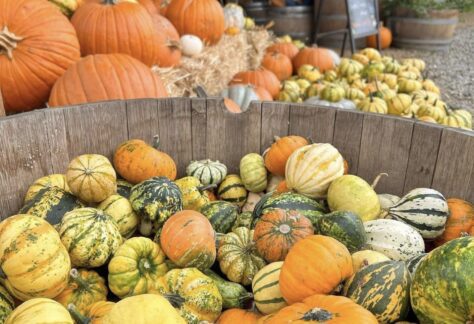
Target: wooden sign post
column 362, row 21
column 2, row 107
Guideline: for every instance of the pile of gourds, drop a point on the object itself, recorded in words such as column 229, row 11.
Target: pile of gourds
column 292, row 236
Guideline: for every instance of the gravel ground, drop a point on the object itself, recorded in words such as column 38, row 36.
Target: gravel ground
column 453, row 70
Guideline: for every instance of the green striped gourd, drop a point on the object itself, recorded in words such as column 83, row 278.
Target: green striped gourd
column 414, row 262
column 455, row 120
column 426, row 210
column 51, row 203
column 332, row 93
column 395, row 239
column 442, row 288
column 221, row 214
column 244, row 219
column 120, row 209
column 52, row 180
column 234, row 295
column 7, row 304
column 354, row 94
column 90, row 236
column 383, row 289
column 253, row 172
column 435, row 112
column 344, row 226
column 373, row 104
column 232, row 189
column 207, row 171
column 409, row 85
column 349, row 67
column 266, row 289
column 124, row 188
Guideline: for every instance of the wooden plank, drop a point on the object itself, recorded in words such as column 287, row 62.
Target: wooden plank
column 423, row 154
column 199, row 125
column 58, row 146
column 315, row 123
column 2, row 107
column 347, row 136
column 142, row 119
column 231, row 136
column 454, row 172
column 24, row 157
column 275, row 122
column 384, row 148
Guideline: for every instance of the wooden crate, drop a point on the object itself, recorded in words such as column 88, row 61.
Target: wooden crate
column 414, row 154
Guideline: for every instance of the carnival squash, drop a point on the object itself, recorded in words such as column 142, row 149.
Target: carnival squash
column 266, row 289
column 233, row 294
column 7, row 304
column 40, row 311
column 221, row 214
column 232, row 190
column 120, row 209
column 207, row 171
column 52, row 180
column 193, row 192
column 253, row 172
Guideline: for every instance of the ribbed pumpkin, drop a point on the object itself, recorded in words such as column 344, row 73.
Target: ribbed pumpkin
column 327, row 263
column 28, row 48
column 332, row 93
column 85, row 287
column 364, row 258
column 349, row 67
column 51, row 204
column 235, row 315
column 194, row 194
column 280, row 151
column 7, row 304
column 232, row 189
column 91, row 177
column 400, row 104
column 253, row 172
column 237, row 256
column 323, row 309
column 120, row 209
column 94, row 314
column 40, row 310
column 409, row 85
column 52, row 180
column 373, row 105
column 288, row 49
column 90, row 236
column 460, row 220
column 277, row 231
column 103, row 77
column 279, row 64
column 188, row 239
column 311, row 168
column 382, row 288
column 135, row 267
column 191, row 292
column 221, row 214
column 135, row 35
column 136, row 161
column 259, row 78
column 207, row 171
column 203, row 18
column 266, row 289
column 317, row 57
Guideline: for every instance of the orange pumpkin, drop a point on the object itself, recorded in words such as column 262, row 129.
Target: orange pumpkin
column 385, row 38
column 37, row 45
column 236, row 316
column 282, row 187
column 460, row 220
column 280, row 151
column 263, row 94
column 136, row 161
column 167, row 41
column 288, row 49
column 315, row 56
column 259, row 78
column 202, row 18
column 279, row 64
column 149, row 5
column 106, row 77
column 327, row 263
column 323, row 309
column 188, row 240
column 277, row 231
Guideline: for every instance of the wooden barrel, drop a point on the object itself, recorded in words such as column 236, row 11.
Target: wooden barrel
column 434, row 32
column 295, row 21
column 257, row 11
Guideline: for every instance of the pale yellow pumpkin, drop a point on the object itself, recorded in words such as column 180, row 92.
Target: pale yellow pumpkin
column 399, row 105
column 40, row 311
column 363, row 258
column 52, row 180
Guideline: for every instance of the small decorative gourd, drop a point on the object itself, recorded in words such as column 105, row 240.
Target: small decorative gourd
column 333, row 93
column 221, row 214
column 52, row 180
column 253, row 172
column 207, row 171
column 38, row 311
column 193, row 193
column 373, row 104
column 232, row 190
column 266, row 289
column 120, row 209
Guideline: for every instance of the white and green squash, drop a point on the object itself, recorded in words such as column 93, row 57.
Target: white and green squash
column 207, row 171
column 266, row 289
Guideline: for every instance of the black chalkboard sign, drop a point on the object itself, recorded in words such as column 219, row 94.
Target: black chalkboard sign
column 363, row 17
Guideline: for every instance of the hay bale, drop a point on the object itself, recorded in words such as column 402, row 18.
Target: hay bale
column 216, row 65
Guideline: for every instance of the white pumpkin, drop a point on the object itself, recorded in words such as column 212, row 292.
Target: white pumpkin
column 311, row 169
column 234, row 16
column 241, row 94
column 191, row 45
column 335, row 57
column 343, row 104
column 395, row 239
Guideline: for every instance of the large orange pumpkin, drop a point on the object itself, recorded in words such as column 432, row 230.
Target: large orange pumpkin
column 136, row 161
column 460, row 220
column 238, row 316
column 315, row 56
column 385, row 38
column 188, row 240
column 277, row 231
column 202, row 18
column 37, row 45
column 169, row 52
column 106, row 77
column 259, row 78
column 288, row 49
column 280, row 151
column 149, row 5
column 279, row 64
column 315, row 265
column 116, row 27
column 323, row 309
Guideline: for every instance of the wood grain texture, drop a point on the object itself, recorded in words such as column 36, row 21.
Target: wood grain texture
column 385, row 148
column 142, row 119
column 315, row 123
column 24, row 157
column 230, row 136
column 199, row 125
column 275, row 122
column 423, row 154
column 58, row 146
column 2, row 107
column 347, row 136
column 454, row 174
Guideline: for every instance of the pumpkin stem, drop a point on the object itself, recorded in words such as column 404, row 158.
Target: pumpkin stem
column 464, row 234
column 276, row 138
column 81, row 283
column 144, row 266
column 318, row 315
column 8, row 42
column 204, row 188
column 156, row 142
column 77, row 316
column 110, row 2
column 377, row 179
column 175, row 300
column 175, row 45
